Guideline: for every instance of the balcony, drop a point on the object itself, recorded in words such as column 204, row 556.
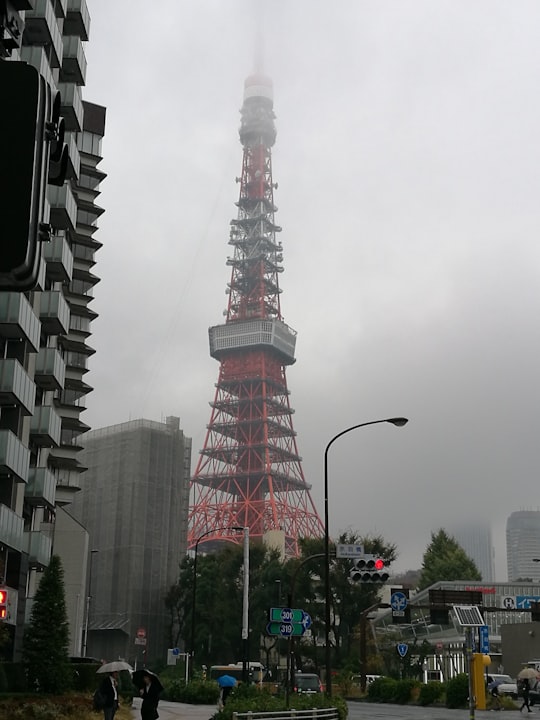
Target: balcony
column 50, row 369
column 41, row 487
column 59, row 259
column 54, row 313
column 14, row 457
column 17, row 319
column 41, row 28
column 73, row 61
column 38, row 547
column 77, row 20
column 45, row 426
column 16, row 388
column 71, row 107
column 36, row 56
column 11, row 529
column 63, row 207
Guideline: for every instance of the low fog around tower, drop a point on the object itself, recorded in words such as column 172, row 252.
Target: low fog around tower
column 408, row 167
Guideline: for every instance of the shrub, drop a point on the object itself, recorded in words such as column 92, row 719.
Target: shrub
column 16, row 677
column 197, row 692
column 403, row 690
column 382, row 689
column 457, row 691
column 84, row 676
column 430, row 692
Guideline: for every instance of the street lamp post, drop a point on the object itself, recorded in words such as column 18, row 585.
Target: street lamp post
column 398, row 422
column 88, row 600
column 194, row 598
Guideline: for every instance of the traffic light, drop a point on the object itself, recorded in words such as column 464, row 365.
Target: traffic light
column 369, row 568
column 30, row 122
column 3, row 604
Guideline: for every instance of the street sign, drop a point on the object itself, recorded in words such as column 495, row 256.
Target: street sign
column 402, row 649
column 140, row 641
column 286, row 615
column 349, row 551
column 483, row 632
column 284, row 629
column 398, row 603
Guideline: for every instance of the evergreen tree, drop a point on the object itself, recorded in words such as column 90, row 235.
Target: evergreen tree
column 46, row 640
column 445, row 559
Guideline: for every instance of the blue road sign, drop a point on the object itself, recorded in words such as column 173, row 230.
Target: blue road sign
column 523, row 602
column 399, row 601
column 483, row 631
column 176, row 651
column 402, row 649
column 306, row 620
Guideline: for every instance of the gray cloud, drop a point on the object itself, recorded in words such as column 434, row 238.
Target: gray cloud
column 408, row 165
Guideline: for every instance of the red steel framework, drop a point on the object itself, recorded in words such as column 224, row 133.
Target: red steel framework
column 249, row 472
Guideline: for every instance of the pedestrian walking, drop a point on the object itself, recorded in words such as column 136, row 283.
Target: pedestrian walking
column 525, row 690
column 109, row 691
column 150, row 688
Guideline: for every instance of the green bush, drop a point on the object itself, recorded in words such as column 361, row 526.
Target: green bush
column 382, row 689
column 16, row 677
column 403, row 690
column 197, row 692
column 431, row 692
column 457, row 691
column 84, row 676
column 251, row 698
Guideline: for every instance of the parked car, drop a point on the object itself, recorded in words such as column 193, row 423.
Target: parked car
column 308, row 683
column 504, row 683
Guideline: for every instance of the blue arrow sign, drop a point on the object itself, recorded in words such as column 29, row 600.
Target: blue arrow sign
column 402, row 649
column 399, row 601
column 484, row 639
column 176, row 651
column 306, row 620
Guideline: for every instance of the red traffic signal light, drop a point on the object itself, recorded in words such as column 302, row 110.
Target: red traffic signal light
column 369, row 568
column 3, row 603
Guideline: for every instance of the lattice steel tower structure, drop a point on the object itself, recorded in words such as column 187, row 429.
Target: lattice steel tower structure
column 249, row 472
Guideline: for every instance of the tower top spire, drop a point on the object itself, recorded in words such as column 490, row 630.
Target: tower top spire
column 259, row 85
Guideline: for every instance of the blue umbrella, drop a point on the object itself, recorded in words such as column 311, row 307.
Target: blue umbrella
column 226, row 681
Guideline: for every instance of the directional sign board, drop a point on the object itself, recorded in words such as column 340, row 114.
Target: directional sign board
column 349, row 551
column 289, row 628
column 287, row 615
column 285, row 629
column 402, row 649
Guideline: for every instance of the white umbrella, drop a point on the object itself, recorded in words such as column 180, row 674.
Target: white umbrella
column 529, row 673
column 115, row 666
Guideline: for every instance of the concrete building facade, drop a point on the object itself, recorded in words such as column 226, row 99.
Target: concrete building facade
column 523, row 545
column 44, row 333
column 134, row 503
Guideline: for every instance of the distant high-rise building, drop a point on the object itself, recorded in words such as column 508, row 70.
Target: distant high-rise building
column 523, row 544
column 134, row 503
column 475, row 539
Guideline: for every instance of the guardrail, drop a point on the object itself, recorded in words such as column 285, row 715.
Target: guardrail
column 313, row 714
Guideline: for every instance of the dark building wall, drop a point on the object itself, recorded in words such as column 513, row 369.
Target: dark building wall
column 134, row 503
column 520, row 644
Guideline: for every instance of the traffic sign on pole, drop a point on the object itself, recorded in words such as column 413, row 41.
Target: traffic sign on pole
column 285, row 629
column 286, row 615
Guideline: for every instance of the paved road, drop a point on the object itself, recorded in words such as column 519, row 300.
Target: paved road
column 357, row 711
column 372, row 711
column 173, row 711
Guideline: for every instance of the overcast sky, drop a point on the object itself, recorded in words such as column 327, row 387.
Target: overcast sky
column 408, row 164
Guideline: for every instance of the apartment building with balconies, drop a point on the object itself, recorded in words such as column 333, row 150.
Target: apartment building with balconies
column 44, row 333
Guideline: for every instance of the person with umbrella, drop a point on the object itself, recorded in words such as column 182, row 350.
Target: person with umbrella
column 108, row 688
column 226, row 684
column 525, row 676
column 150, row 688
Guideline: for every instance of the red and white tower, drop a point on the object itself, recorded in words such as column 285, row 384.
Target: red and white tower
column 249, row 473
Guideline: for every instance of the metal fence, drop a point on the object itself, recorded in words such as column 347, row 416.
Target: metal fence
column 314, row 714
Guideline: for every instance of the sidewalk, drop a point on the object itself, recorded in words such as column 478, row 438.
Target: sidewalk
column 172, row 711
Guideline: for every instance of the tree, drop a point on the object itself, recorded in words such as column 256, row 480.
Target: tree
column 46, row 640
column 445, row 559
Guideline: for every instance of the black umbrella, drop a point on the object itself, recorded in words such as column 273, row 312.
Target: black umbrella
column 137, row 679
